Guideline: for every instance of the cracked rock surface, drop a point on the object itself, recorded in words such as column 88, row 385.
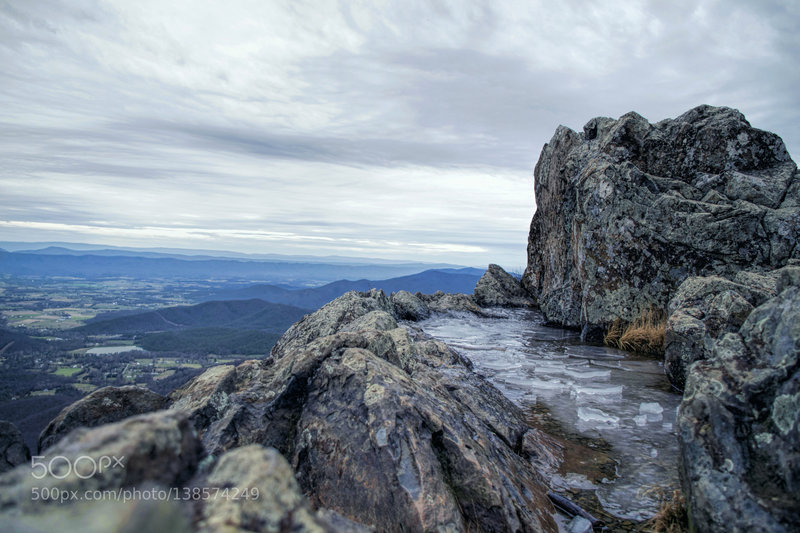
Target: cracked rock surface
column 381, row 424
column 627, row 210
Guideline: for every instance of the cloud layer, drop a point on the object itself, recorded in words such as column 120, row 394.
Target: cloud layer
column 387, row 129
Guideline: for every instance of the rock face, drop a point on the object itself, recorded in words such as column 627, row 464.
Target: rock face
column 739, row 422
column 706, row 308
column 409, row 307
column 381, row 424
column 160, row 448
column 627, row 210
column 13, row 450
column 103, row 406
column 499, row 288
column 158, row 454
column 278, row 505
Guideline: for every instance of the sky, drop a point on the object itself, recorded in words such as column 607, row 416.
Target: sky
column 398, row 130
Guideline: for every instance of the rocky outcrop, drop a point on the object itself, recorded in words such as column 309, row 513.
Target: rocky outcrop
column 409, row 307
column 706, row 308
column 13, row 450
column 440, row 302
column 499, row 288
column 273, row 503
column 145, row 474
column 160, row 448
column 103, row 406
column 627, row 210
column 381, row 424
column 739, row 422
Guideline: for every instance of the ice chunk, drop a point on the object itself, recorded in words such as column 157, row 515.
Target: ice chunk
column 579, row 524
column 587, row 374
column 650, row 408
column 596, row 416
column 641, row 420
column 613, row 390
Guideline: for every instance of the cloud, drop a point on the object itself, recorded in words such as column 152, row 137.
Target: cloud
column 364, row 123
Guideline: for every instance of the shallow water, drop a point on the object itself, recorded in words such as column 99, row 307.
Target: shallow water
column 592, row 391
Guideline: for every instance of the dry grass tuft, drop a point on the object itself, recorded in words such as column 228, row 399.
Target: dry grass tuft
column 672, row 516
column 645, row 335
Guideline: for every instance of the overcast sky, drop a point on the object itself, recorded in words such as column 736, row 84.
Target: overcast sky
column 404, row 130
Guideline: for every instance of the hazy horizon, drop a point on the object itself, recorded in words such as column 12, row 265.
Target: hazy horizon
column 399, row 130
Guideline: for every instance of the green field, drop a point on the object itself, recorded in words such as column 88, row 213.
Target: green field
column 67, row 371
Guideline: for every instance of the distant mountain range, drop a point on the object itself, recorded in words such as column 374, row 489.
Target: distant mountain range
column 250, row 314
column 98, row 264
column 446, row 280
column 267, row 307
column 68, row 248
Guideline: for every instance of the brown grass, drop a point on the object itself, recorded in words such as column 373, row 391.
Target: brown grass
column 671, row 516
column 645, row 335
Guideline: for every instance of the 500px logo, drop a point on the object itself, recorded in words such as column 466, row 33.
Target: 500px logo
column 84, row 466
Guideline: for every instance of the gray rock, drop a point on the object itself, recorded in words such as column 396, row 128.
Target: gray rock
column 388, row 428
column 13, row 450
column 440, row 302
column 100, row 516
column 103, row 406
column 331, row 317
column 274, row 503
column 739, row 425
column 499, row 288
column 705, row 308
column 159, row 448
column 248, row 489
column 409, row 307
column 627, row 210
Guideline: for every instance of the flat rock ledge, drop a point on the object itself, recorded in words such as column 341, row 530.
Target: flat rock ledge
column 353, row 423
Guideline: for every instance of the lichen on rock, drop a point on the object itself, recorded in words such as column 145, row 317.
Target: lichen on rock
column 627, row 210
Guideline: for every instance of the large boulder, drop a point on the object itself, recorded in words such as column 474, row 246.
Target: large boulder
column 145, row 474
column 103, row 406
column 13, row 450
column 408, row 306
column 159, row 448
column 253, row 489
column 627, row 210
column 739, row 425
column 705, row 308
column 499, row 288
column 381, row 424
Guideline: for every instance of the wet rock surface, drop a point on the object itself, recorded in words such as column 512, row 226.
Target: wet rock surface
column 739, row 424
column 627, row 210
column 13, row 450
column 499, row 288
column 103, row 406
column 381, row 424
column 614, row 412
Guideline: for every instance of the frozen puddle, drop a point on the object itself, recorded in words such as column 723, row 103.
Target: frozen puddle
column 593, row 391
